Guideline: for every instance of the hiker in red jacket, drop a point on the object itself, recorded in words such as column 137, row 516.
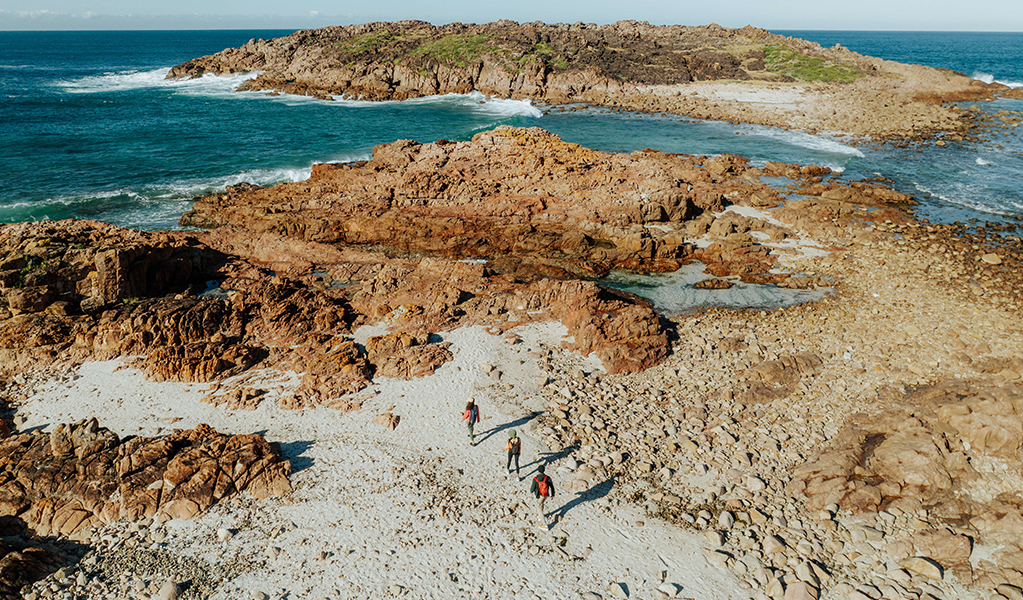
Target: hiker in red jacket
column 472, row 416
column 542, row 488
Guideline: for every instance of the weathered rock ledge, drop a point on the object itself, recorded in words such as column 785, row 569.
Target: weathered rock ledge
column 744, row 75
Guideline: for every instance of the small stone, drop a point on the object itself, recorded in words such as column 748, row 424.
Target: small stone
column 773, row 544
column 82, row 580
column 169, row 590
column 395, row 590
column 863, row 532
column 774, row 588
column 726, row 519
column 260, row 596
column 922, row 565
column 224, row 534
column 991, row 259
column 619, row 590
column 670, row 590
column 592, row 596
column 717, row 558
column 801, row 590
column 805, row 573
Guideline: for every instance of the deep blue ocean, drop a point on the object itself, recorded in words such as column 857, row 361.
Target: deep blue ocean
column 90, row 128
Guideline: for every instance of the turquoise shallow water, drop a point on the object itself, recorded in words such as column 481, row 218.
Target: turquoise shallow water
column 91, row 129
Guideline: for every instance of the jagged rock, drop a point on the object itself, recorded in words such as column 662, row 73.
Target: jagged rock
column 239, row 399
column 83, row 476
column 406, row 355
column 521, row 198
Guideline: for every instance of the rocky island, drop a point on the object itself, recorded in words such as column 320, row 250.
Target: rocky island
column 267, row 404
column 746, row 75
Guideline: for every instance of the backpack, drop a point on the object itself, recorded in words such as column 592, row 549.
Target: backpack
column 541, row 485
column 513, row 445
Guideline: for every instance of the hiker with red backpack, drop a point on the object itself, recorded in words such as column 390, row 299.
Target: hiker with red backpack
column 472, row 416
column 542, row 488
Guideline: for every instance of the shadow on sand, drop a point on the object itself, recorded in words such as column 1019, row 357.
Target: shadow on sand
column 594, row 493
column 506, row 426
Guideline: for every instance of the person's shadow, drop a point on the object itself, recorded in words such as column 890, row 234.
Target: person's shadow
column 551, row 457
column 594, row 493
column 506, row 426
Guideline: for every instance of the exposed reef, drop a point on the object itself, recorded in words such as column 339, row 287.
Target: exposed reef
column 745, row 75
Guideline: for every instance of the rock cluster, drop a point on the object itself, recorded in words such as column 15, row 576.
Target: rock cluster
column 936, row 449
column 81, row 476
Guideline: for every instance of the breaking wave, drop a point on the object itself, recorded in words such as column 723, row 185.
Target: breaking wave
column 122, row 81
column 989, row 78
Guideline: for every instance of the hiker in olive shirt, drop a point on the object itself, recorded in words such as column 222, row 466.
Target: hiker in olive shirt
column 514, row 449
column 542, row 488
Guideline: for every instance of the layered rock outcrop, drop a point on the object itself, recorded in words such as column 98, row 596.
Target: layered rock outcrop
column 524, row 199
column 83, row 476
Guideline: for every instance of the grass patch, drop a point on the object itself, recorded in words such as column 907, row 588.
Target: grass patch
column 781, row 59
column 457, row 49
column 542, row 52
column 365, row 43
column 35, row 265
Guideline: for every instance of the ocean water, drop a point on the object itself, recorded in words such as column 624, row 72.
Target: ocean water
column 89, row 128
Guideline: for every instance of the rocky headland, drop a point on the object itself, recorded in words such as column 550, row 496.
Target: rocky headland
column 746, row 75
column 866, row 445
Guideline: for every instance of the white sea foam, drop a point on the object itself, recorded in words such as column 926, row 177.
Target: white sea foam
column 805, row 140
column 982, row 162
column 962, row 200
column 989, row 78
column 156, row 78
column 476, row 101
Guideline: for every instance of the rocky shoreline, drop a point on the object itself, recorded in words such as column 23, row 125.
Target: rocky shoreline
column 866, row 445
column 746, row 75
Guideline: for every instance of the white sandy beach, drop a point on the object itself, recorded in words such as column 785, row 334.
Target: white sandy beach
column 415, row 512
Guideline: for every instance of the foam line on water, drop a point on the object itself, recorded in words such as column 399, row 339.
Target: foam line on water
column 989, row 78
column 121, row 81
column 476, row 101
column 962, row 202
column 804, row 140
